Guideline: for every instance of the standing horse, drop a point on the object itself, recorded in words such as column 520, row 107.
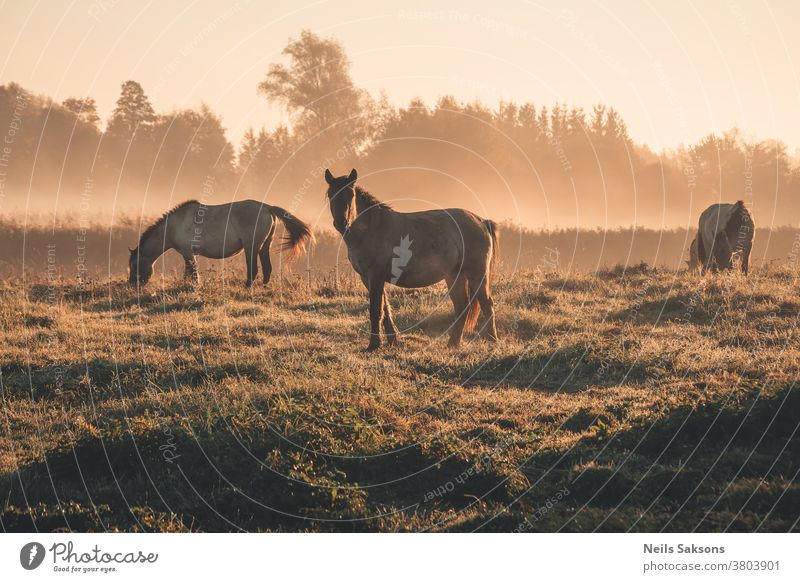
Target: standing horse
column 724, row 230
column 415, row 249
column 217, row 232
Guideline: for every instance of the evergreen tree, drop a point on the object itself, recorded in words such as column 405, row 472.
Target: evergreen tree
column 133, row 113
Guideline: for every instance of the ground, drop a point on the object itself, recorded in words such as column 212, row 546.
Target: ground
column 628, row 399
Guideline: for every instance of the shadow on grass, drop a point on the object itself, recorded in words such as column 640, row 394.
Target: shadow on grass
column 685, row 307
column 703, row 469
column 161, row 481
column 570, row 369
column 721, row 466
column 112, row 379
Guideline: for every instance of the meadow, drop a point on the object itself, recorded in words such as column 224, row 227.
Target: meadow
column 628, row 399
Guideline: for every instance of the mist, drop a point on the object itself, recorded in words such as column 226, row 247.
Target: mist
column 539, row 166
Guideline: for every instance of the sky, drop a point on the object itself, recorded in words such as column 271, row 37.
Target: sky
column 675, row 71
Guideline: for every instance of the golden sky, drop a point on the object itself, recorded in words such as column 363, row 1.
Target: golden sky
column 675, row 70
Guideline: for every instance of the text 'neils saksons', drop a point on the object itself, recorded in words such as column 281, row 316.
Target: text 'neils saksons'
column 682, row 549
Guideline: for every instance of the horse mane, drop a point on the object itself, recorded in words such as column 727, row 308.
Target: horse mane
column 152, row 228
column 370, row 200
column 739, row 213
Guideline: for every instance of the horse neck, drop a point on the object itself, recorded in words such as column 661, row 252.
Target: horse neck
column 154, row 245
column 367, row 202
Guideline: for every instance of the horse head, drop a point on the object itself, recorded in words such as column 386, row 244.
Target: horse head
column 341, row 197
column 140, row 268
column 694, row 258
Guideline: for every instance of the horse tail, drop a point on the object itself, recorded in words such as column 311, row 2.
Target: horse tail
column 298, row 233
column 474, row 308
column 491, row 226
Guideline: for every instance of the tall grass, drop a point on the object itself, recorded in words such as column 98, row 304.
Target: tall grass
column 103, row 250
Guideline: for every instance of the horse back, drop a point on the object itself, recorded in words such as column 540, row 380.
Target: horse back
column 417, row 249
column 220, row 230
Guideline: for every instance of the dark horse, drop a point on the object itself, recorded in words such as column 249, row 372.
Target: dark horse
column 415, row 249
column 217, row 232
column 723, row 231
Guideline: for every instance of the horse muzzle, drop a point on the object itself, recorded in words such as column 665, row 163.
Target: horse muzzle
column 341, row 228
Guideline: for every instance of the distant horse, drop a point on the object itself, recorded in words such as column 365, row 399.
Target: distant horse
column 415, row 249
column 217, row 232
column 724, row 231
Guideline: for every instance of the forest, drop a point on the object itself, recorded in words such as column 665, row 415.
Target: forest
column 539, row 166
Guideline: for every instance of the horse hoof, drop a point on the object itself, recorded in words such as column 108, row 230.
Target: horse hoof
column 372, row 347
column 392, row 340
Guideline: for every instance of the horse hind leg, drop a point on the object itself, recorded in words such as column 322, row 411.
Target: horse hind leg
column 266, row 263
column 389, row 328
column 483, row 295
column 459, row 295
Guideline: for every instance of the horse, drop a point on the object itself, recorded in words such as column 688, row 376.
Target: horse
column 217, row 232
column 724, row 231
column 416, row 249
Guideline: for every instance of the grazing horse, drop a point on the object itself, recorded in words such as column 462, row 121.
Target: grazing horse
column 217, row 232
column 415, row 249
column 724, row 230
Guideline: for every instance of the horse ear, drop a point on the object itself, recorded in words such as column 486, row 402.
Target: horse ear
column 328, row 176
column 353, row 176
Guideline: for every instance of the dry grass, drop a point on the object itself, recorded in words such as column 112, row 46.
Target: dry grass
column 626, row 400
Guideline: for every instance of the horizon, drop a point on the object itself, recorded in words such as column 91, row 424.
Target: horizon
column 685, row 89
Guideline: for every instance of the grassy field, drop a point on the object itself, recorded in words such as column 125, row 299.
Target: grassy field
column 633, row 399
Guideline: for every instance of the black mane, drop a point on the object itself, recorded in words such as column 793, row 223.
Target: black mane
column 371, row 201
column 150, row 229
column 740, row 212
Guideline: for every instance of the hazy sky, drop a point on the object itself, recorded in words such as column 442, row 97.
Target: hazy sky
column 675, row 70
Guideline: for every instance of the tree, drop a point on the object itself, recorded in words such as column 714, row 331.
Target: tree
column 192, row 147
column 597, row 125
column 248, row 151
column 132, row 114
column 85, row 109
column 317, row 90
column 260, row 157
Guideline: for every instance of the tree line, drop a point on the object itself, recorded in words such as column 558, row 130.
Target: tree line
column 537, row 165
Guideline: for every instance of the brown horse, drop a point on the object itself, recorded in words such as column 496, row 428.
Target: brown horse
column 415, row 249
column 724, row 231
column 217, row 232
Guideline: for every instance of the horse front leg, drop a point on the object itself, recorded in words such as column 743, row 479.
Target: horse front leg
column 190, row 270
column 388, row 323
column 746, row 258
column 376, row 297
